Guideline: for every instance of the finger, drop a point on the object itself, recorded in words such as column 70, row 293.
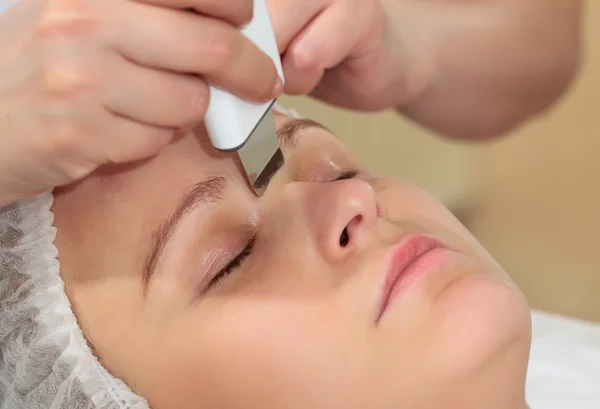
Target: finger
column 328, row 40
column 323, row 45
column 300, row 78
column 247, row 71
column 183, row 42
column 125, row 140
column 79, row 139
column 289, row 17
column 154, row 97
column 237, row 12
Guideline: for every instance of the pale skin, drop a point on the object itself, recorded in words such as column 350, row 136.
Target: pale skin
column 467, row 69
column 84, row 84
column 496, row 64
column 295, row 325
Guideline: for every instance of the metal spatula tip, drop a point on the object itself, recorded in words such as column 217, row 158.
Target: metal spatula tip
column 260, row 155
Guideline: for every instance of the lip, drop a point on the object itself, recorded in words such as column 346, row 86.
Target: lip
column 406, row 264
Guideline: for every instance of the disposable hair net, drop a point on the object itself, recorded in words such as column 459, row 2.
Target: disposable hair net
column 45, row 360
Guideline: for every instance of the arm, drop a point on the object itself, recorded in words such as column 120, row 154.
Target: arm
column 490, row 64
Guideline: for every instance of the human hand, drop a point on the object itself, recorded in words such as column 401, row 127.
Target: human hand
column 466, row 69
column 345, row 52
column 83, row 84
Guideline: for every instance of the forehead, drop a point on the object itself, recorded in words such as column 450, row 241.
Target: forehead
column 191, row 153
column 191, row 158
column 183, row 162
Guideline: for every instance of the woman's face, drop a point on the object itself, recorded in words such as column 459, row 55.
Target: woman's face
column 199, row 294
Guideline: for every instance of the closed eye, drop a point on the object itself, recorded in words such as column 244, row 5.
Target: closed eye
column 246, row 252
column 349, row 174
column 235, row 262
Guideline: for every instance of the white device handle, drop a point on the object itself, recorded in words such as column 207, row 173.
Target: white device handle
column 229, row 120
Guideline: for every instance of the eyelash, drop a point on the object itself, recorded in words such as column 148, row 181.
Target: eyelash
column 236, row 262
column 348, row 174
column 246, row 252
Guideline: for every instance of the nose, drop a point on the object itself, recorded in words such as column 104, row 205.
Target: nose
column 340, row 216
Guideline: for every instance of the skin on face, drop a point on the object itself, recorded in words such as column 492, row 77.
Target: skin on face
column 296, row 324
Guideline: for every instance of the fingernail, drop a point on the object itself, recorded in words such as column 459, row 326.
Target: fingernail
column 278, row 90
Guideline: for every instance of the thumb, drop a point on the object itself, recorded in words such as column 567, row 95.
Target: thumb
column 325, row 43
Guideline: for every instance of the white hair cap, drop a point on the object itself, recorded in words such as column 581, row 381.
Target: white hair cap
column 45, row 361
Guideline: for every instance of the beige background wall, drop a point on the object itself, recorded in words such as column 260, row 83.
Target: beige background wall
column 533, row 198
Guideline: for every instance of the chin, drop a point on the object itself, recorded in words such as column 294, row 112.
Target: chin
column 485, row 318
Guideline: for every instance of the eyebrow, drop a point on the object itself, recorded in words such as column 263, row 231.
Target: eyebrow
column 288, row 133
column 210, row 190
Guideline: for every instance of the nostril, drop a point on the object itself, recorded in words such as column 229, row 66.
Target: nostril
column 344, row 238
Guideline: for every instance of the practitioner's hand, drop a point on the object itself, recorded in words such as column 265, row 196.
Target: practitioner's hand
column 87, row 83
column 343, row 52
column 462, row 68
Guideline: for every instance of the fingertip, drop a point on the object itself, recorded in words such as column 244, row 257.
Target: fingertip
column 246, row 17
column 292, row 75
column 156, row 141
column 278, row 88
column 304, row 57
column 269, row 89
column 299, row 81
column 327, row 41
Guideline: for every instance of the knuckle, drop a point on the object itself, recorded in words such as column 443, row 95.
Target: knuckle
column 221, row 47
column 198, row 100
column 62, row 137
column 65, row 144
column 63, row 79
column 67, row 18
column 153, row 142
column 77, row 170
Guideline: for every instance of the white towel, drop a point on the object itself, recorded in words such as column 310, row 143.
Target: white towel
column 564, row 367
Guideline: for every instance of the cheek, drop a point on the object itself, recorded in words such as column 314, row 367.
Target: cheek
column 404, row 201
column 277, row 353
column 480, row 318
column 268, row 336
column 401, row 201
column 475, row 336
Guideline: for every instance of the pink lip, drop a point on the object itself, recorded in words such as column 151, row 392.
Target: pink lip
column 403, row 270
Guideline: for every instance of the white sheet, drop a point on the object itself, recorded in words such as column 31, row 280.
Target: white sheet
column 564, row 371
